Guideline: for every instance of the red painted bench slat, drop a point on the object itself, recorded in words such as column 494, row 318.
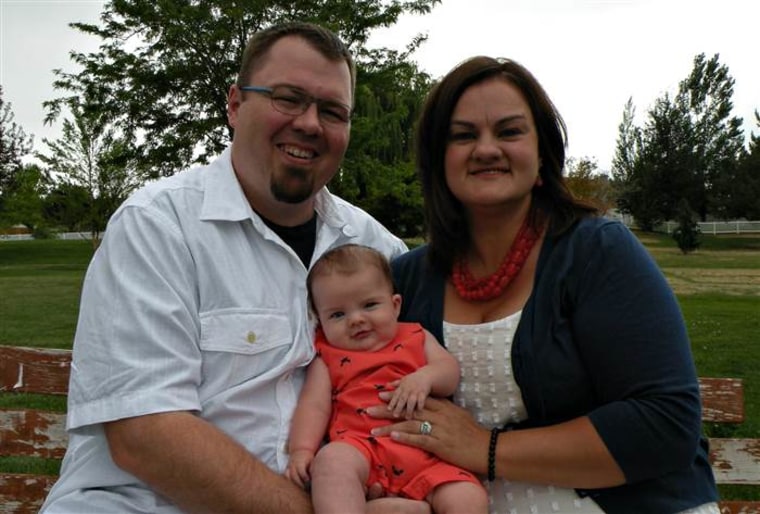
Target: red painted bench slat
column 28, row 432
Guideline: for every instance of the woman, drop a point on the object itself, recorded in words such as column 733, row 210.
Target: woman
column 578, row 390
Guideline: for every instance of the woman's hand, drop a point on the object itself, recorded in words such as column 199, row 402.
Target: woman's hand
column 455, row 437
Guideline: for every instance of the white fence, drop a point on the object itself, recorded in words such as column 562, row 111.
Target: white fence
column 719, row 227
column 61, row 235
column 706, row 227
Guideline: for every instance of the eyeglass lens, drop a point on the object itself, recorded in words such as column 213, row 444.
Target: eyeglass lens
column 294, row 102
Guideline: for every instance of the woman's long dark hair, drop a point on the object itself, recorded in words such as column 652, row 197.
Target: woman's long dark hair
column 448, row 229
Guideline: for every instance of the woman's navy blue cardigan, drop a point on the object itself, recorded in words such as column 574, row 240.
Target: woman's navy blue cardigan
column 601, row 335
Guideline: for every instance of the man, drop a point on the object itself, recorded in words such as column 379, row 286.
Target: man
column 193, row 329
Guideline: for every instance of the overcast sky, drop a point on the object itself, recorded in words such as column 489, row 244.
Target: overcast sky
column 590, row 55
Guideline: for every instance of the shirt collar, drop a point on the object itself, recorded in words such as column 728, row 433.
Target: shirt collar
column 328, row 209
column 224, row 198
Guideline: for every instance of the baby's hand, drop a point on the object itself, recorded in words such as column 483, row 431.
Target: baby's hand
column 298, row 468
column 409, row 394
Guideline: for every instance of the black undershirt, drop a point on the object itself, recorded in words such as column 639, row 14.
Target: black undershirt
column 300, row 238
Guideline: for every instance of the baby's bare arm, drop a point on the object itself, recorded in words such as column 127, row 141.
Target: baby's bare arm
column 310, row 421
column 439, row 377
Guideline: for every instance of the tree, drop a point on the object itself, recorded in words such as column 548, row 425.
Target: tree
column 651, row 171
column 716, row 135
column 688, row 149
column 624, row 163
column 588, row 185
column 67, row 206
column 91, row 155
column 23, row 204
column 667, row 160
column 14, row 145
column 627, row 144
column 378, row 171
column 745, row 189
column 163, row 69
column 687, row 232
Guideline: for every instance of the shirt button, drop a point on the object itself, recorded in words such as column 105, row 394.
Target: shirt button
column 251, row 337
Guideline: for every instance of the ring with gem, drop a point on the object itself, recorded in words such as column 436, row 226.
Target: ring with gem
column 426, row 428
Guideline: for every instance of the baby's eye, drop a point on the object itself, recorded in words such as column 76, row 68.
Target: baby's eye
column 371, row 305
column 336, row 315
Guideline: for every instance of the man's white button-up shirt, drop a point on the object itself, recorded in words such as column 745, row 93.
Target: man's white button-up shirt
column 192, row 303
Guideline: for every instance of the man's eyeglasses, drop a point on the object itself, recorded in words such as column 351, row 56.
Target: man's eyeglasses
column 294, row 102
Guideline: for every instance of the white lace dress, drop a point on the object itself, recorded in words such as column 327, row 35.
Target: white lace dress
column 489, row 391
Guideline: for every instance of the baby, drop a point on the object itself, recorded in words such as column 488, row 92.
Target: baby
column 362, row 350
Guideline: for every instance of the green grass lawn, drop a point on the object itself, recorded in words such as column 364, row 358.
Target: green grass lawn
column 41, row 282
column 718, row 288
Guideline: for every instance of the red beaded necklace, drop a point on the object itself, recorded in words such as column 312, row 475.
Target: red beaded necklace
column 490, row 287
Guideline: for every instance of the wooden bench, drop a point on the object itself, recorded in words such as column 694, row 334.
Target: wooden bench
column 33, row 433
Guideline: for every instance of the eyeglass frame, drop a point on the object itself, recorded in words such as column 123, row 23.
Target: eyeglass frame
column 305, row 103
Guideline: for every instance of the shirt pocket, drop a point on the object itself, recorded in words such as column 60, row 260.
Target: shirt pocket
column 244, row 331
column 240, row 347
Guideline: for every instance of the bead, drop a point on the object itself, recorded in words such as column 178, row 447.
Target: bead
column 490, row 287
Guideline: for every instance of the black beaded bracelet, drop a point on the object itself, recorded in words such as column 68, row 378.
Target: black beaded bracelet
column 492, row 453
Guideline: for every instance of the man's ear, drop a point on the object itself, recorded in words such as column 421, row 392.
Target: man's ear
column 234, row 99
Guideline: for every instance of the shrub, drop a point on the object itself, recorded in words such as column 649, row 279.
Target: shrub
column 687, row 233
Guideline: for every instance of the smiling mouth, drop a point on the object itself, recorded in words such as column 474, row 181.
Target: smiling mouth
column 490, row 171
column 298, row 153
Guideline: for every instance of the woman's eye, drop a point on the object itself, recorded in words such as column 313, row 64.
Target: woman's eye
column 461, row 136
column 509, row 132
